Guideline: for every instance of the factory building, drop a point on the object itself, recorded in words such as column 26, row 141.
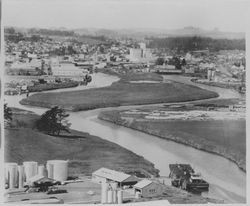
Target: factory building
column 67, row 70
column 141, row 54
column 104, row 174
column 148, row 188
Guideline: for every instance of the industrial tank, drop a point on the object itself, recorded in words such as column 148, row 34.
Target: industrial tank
column 110, row 196
column 41, row 170
column 60, row 169
column 120, row 196
column 104, row 192
column 11, row 174
column 49, row 168
column 20, row 169
column 30, row 169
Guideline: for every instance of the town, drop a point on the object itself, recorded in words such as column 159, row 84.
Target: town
column 36, row 58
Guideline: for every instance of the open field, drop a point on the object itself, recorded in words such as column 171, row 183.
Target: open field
column 226, row 137
column 122, row 93
column 86, row 153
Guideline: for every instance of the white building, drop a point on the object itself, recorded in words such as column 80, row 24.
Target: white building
column 67, row 70
column 108, row 175
column 148, row 188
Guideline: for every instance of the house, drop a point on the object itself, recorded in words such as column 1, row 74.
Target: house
column 148, row 188
column 104, row 174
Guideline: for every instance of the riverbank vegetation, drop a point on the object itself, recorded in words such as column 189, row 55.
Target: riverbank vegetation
column 121, row 93
column 223, row 137
column 86, row 153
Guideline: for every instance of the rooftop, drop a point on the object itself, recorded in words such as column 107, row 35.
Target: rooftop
column 111, row 174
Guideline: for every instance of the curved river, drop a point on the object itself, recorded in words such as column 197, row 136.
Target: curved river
column 227, row 182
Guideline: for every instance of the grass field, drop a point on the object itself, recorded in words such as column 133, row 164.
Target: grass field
column 122, row 93
column 223, row 137
column 85, row 153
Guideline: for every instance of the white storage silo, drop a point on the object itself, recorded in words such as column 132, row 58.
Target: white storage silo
column 49, row 167
column 41, row 170
column 110, row 196
column 60, row 169
column 115, row 196
column 30, row 169
column 11, row 174
column 104, row 192
column 120, row 196
column 20, row 176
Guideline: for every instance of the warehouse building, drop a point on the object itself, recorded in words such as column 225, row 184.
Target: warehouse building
column 148, row 188
column 104, row 174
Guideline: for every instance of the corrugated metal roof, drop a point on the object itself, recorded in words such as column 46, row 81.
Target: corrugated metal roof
column 143, row 183
column 111, row 174
column 38, row 178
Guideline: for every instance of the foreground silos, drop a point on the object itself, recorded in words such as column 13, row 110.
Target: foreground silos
column 60, row 169
column 30, row 169
column 115, row 196
column 11, row 174
column 41, row 170
column 120, row 196
column 110, row 196
column 104, row 192
column 20, row 169
column 114, row 186
column 49, row 167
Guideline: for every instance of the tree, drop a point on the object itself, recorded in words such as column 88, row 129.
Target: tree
column 159, row 61
column 7, row 114
column 54, row 121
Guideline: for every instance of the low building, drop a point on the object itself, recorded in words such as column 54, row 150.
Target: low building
column 108, row 175
column 67, row 70
column 41, row 182
column 148, row 188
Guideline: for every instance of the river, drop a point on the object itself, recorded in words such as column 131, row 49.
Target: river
column 226, row 180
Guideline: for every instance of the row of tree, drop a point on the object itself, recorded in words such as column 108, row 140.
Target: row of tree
column 186, row 44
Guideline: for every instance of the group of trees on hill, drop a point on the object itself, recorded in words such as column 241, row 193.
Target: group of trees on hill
column 196, row 43
column 52, row 122
column 52, row 32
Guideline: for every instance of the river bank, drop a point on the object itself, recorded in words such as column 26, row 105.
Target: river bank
column 86, row 153
column 227, row 181
column 222, row 137
column 122, row 93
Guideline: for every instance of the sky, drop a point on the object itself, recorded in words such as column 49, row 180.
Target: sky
column 226, row 15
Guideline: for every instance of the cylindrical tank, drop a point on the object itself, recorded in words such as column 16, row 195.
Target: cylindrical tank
column 11, row 174
column 49, row 167
column 120, row 196
column 110, row 196
column 30, row 169
column 115, row 196
column 104, row 192
column 60, row 169
column 20, row 176
column 41, row 170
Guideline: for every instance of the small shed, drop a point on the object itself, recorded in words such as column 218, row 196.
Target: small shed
column 104, row 174
column 148, row 188
column 41, row 182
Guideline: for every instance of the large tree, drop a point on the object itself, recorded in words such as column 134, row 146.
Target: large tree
column 54, row 121
column 7, row 114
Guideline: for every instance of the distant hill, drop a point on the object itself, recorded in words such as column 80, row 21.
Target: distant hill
column 139, row 33
column 143, row 32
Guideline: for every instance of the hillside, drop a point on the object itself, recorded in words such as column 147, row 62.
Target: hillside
column 86, row 153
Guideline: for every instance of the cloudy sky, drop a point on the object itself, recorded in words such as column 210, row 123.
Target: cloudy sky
column 227, row 15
